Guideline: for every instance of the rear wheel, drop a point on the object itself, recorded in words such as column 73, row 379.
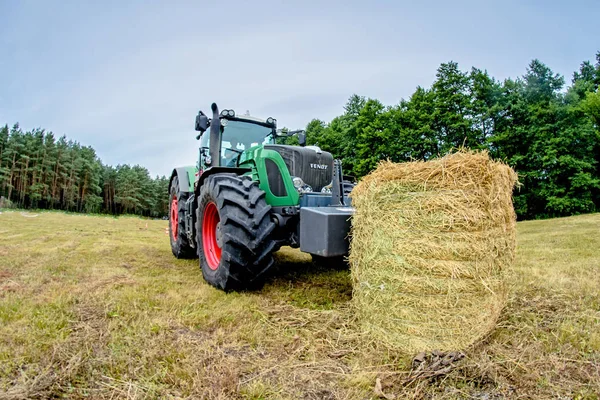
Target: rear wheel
column 180, row 245
column 234, row 232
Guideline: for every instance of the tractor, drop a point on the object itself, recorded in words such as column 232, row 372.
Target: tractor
column 247, row 196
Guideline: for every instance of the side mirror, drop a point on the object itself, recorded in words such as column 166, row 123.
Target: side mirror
column 201, row 122
column 302, row 138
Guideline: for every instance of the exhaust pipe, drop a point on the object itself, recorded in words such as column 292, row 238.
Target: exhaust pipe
column 215, row 137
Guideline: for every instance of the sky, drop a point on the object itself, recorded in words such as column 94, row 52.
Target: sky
column 128, row 77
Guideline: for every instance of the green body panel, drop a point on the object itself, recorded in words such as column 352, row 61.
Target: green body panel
column 191, row 172
column 254, row 158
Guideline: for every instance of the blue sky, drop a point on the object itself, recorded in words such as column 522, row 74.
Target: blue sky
column 128, row 77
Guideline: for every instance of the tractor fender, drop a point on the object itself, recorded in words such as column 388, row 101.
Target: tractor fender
column 218, row 170
column 183, row 176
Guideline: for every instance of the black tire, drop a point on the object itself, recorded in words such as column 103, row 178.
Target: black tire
column 180, row 244
column 243, row 233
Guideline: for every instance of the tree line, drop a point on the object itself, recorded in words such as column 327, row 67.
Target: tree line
column 39, row 171
column 547, row 132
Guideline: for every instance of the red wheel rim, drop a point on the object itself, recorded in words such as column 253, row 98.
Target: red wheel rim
column 174, row 218
column 210, row 225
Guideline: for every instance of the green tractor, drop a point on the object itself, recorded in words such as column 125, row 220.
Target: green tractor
column 248, row 196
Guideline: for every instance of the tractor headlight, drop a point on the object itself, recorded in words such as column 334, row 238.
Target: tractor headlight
column 306, row 189
column 231, row 113
column 272, row 121
column 327, row 189
column 300, row 186
column 298, row 182
column 224, row 113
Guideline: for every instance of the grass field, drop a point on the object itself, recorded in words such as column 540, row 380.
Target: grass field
column 97, row 307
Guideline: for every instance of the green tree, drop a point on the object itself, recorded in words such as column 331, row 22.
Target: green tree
column 4, row 132
column 452, row 108
column 414, row 132
column 591, row 106
column 372, row 137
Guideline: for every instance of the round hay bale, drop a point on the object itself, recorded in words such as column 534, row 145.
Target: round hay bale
column 431, row 242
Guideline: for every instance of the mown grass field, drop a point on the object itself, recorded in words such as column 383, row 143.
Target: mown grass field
column 97, row 307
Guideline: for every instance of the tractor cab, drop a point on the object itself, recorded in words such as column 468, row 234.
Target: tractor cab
column 237, row 135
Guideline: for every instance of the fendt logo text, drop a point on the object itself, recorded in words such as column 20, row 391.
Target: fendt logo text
column 318, row 166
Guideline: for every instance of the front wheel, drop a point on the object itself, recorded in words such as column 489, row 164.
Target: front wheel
column 234, row 232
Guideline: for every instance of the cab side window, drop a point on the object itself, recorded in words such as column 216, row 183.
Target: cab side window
column 204, row 146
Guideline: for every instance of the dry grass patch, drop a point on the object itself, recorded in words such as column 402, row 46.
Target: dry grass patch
column 101, row 309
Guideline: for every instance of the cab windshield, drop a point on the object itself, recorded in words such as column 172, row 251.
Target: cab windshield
column 240, row 136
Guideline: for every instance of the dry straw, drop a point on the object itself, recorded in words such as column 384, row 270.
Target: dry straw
column 431, row 243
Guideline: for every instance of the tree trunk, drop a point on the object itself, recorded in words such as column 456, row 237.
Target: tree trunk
column 83, row 189
column 12, row 172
